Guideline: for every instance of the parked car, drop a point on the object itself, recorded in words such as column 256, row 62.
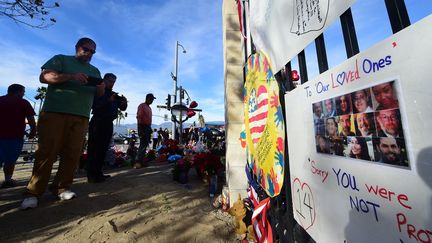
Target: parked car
column 216, row 132
column 120, row 138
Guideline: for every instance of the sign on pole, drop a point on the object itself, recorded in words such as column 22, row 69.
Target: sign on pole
column 282, row 28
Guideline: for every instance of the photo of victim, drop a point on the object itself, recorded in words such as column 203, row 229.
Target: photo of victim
column 365, row 125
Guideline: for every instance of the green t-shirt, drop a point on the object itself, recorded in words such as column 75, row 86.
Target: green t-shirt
column 70, row 97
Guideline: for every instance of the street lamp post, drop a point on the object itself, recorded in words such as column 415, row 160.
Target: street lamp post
column 183, row 112
column 174, row 77
column 181, row 117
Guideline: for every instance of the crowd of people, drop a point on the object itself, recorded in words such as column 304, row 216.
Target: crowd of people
column 77, row 101
column 160, row 137
column 75, row 89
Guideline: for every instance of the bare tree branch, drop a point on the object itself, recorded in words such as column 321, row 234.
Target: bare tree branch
column 33, row 13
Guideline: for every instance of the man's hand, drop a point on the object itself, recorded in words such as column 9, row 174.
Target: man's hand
column 123, row 103
column 32, row 123
column 113, row 97
column 80, row 77
column 53, row 77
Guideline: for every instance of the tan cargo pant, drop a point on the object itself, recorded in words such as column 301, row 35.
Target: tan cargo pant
column 59, row 135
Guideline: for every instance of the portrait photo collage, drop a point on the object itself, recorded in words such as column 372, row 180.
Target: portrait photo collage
column 365, row 124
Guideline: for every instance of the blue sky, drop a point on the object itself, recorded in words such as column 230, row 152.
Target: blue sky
column 135, row 40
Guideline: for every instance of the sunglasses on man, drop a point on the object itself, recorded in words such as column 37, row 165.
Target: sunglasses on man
column 85, row 49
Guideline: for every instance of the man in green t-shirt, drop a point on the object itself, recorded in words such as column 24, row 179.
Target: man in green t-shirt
column 63, row 120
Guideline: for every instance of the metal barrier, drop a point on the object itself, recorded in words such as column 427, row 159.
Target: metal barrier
column 27, row 152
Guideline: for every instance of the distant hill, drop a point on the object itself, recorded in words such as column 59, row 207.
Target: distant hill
column 216, row 123
column 123, row 128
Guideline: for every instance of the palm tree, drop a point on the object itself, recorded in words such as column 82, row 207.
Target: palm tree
column 120, row 116
column 41, row 93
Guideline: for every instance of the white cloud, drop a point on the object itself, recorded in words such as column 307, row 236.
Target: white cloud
column 19, row 65
column 136, row 41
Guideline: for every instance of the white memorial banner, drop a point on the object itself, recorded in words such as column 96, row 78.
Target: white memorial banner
column 282, row 28
column 360, row 144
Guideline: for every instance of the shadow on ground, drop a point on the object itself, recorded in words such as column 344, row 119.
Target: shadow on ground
column 134, row 205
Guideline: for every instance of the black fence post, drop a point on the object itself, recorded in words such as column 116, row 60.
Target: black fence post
column 288, row 77
column 398, row 14
column 349, row 34
column 321, row 53
column 302, row 66
column 281, row 211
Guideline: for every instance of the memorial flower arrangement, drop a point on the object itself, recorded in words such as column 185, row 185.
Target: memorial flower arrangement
column 207, row 164
column 119, row 159
column 200, row 147
column 181, row 168
column 151, row 155
column 167, row 149
column 171, row 146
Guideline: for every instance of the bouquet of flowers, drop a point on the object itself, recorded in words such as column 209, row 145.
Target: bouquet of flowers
column 200, row 147
column 119, row 158
column 181, row 169
column 171, row 147
column 207, row 164
column 151, row 155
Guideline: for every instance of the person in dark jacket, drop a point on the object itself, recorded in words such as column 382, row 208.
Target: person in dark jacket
column 105, row 110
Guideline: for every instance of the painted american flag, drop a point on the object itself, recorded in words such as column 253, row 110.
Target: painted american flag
column 258, row 109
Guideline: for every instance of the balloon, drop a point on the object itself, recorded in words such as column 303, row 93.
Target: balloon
column 193, row 104
column 191, row 113
column 294, row 75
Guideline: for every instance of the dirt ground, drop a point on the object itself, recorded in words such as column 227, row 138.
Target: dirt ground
column 134, row 205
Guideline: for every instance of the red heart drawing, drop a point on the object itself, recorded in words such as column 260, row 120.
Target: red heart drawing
column 304, row 205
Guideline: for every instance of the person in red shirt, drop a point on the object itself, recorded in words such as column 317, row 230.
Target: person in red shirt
column 144, row 120
column 15, row 110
